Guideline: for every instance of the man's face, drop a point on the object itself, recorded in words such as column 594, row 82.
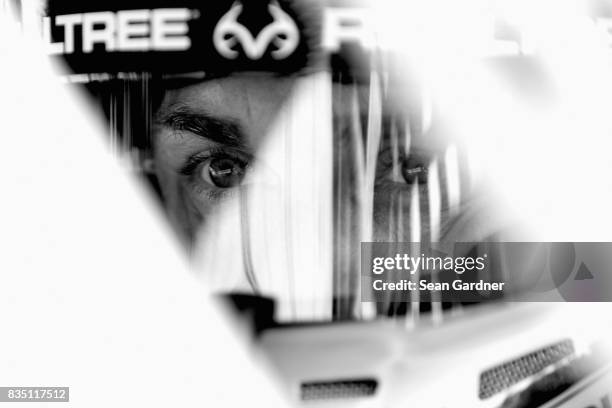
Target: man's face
column 205, row 136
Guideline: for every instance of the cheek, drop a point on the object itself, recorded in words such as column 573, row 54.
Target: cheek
column 165, row 173
column 185, row 215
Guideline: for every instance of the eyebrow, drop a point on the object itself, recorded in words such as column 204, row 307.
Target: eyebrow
column 182, row 118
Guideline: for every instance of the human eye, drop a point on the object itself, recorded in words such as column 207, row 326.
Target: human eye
column 414, row 168
column 400, row 168
column 216, row 171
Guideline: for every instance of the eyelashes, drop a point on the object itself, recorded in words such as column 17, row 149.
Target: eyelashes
column 215, row 171
column 194, row 161
column 411, row 168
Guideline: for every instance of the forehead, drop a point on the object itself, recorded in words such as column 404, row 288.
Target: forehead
column 248, row 99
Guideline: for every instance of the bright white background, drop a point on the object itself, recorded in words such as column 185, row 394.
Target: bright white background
column 94, row 293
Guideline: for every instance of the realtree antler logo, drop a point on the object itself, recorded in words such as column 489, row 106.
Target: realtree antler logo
column 282, row 33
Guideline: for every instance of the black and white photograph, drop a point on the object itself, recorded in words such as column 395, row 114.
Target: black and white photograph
column 306, row 203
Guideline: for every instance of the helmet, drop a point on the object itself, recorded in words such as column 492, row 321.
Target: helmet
column 288, row 152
